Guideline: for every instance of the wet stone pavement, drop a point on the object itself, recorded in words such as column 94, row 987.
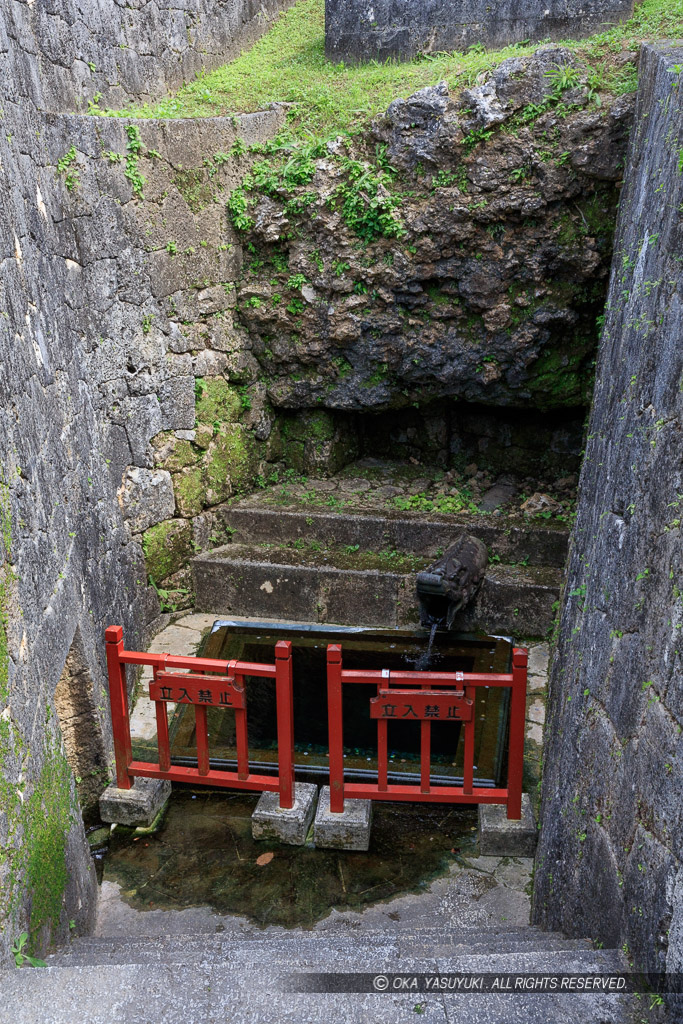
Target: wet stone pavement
column 203, row 867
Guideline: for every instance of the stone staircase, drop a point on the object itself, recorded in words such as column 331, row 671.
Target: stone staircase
column 244, row 974
column 350, row 567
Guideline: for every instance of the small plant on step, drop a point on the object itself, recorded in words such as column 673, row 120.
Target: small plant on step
column 21, row 958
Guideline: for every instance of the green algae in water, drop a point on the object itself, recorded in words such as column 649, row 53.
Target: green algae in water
column 204, row 855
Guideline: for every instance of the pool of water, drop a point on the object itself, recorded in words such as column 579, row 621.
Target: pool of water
column 361, row 648
column 203, row 854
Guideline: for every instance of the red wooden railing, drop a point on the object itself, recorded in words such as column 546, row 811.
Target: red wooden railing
column 425, row 697
column 203, row 682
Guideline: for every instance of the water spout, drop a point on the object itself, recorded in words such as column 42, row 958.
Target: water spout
column 450, row 583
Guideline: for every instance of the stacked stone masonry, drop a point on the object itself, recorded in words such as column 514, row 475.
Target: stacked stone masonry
column 108, row 52
column 610, row 851
column 359, row 31
column 84, row 384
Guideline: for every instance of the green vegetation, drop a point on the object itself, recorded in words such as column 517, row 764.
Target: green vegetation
column 34, row 852
column 443, row 503
column 349, row 556
column 66, row 169
column 6, row 580
column 232, row 461
column 20, row 958
column 133, row 153
column 194, row 189
column 288, row 64
column 167, row 547
column 216, row 401
column 47, row 819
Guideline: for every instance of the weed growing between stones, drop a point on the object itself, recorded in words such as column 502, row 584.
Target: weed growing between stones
column 33, row 854
column 6, row 581
column 133, row 153
column 66, row 169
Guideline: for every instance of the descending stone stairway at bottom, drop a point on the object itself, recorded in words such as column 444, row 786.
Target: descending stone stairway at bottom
column 241, row 976
column 356, row 568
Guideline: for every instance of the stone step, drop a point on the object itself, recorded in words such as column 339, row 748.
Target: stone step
column 243, row 991
column 290, row 584
column 266, row 948
column 512, row 539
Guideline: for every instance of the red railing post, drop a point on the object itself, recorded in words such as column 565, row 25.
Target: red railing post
column 163, row 742
column 241, row 732
column 335, row 727
column 285, row 721
column 468, row 746
column 425, row 752
column 516, row 741
column 382, row 738
column 118, row 702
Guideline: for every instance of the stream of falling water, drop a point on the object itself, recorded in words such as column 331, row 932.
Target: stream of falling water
column 423, row 661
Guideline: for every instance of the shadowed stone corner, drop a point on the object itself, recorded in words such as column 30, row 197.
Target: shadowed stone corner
column 499, row 836
column 286, row 824
column 345, row 830
column 137, row 806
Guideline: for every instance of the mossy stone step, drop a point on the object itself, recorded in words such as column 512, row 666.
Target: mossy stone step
column 509, row 538
column 350, row 588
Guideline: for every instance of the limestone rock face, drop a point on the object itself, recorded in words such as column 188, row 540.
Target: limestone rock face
column 484, row 269
column 146, row 497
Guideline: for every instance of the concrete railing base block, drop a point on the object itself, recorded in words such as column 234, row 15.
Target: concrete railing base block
column 347, row 830
column 286, row 824
column 136, row 806
column 501, row 837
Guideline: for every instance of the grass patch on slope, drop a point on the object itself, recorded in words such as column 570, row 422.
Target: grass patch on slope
column 288, row 64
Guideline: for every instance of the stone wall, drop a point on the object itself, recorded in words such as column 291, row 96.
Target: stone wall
column 91, row 368
column 120, row 52
column 356, row 30
column 611, row 842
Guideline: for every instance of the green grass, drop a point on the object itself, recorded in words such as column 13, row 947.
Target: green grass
column 288, row 64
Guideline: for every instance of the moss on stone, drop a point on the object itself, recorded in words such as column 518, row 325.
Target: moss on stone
column 6, row 580
column 316, row 425
column 5, row 519
column 167, row 547
column 33, row 851
column 216, row 401
column 4, row 650
column 231, row 464
column 293, row 456
column 47, row 814
column 177, row 453
column 194, row 188
column 190, row 491
column 559, row 378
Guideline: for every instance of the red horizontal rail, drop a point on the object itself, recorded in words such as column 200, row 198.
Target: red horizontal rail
column 210, row 665
column 226, row 780
column 436, row 794
column 450, row 679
